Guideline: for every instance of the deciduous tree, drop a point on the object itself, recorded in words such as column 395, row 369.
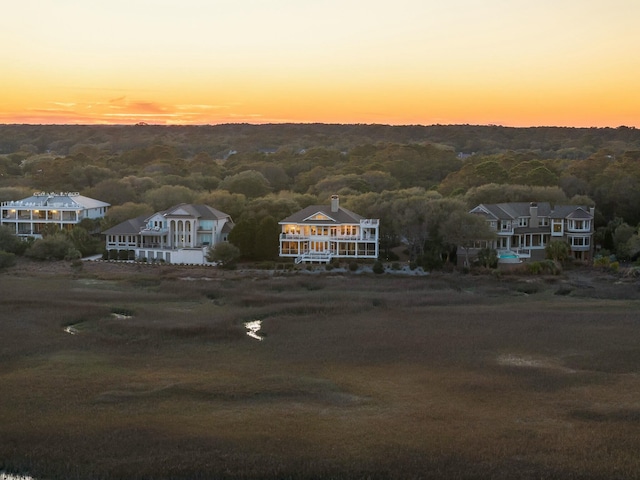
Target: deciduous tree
column 465, row 230
column 224, row 253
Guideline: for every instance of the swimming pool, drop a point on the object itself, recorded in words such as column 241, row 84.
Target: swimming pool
column 508, row 256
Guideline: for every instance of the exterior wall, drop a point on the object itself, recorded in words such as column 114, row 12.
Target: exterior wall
column 191, row 256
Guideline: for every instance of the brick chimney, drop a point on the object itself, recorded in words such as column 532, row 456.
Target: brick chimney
column 335, row 203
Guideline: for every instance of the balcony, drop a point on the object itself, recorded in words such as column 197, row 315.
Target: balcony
column 369, row 222
column 154, row 231
column 573, row 229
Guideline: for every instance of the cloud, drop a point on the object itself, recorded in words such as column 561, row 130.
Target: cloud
column 147, row 107
column 124, row 110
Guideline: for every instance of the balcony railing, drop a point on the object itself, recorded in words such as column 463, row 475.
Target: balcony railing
column 369, row 222
column 153, row 231
column 317, row 237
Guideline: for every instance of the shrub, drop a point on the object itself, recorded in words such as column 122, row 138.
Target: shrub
column 557, row 250
column 54, row 247
column 353, row 266
column 7, row 259
column 605, row 262
column 534, row 268
column 226, row 254
column 378, row 267
column 10, row 243
column 487, row 257
column 395, row 266
column 73, row 254
column 123, row 254
column 266, row 265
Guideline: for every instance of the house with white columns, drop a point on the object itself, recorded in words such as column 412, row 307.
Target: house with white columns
column 182, row 234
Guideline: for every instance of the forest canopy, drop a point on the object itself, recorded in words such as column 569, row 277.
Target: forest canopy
column 255, row 172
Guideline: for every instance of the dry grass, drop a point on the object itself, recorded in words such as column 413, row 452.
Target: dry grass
column 358, row 376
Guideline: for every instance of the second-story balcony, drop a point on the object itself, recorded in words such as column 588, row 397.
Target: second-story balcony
column 369, row 222
column 154, row 231
column 578, row 228
column 321, row 237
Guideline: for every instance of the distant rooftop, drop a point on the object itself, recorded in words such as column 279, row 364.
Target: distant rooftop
column 59, row 200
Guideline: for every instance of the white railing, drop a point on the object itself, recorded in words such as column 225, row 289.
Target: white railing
column 153, row 230
column 369, row 222
column 318, row 238
column 309, row 256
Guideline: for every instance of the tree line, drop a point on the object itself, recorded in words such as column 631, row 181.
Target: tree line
column 413, row 178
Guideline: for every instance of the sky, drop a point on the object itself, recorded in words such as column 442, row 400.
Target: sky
column 501, row 62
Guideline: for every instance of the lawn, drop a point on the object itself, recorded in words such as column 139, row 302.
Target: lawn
column 147, row 373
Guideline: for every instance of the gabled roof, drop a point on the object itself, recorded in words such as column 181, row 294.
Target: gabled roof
column 128, row 227
column 342, row 216
column 515, row 210
column 203, row 212
column 579, row 213
column 571, row 211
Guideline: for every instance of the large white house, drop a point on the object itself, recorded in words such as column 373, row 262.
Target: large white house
column 319, row 233
column 523, row 230
column 29, row 216
column 182, row 234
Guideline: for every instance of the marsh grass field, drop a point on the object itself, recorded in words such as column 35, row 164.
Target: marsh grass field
column 123, row 372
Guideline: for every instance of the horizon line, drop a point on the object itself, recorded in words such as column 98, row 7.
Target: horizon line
column 146, row 124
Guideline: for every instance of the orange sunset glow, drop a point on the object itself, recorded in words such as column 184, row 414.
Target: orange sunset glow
column 517, row 63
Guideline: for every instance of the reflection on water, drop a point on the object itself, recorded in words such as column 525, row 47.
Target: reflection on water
column 253, row 329
column 8, row 476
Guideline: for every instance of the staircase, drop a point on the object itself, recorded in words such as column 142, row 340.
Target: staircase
column 313, row 257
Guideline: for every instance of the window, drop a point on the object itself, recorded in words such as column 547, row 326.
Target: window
column 319, row 216
column 536, row 240
column 289, row 248
column 368, row 249
column 580, row 241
